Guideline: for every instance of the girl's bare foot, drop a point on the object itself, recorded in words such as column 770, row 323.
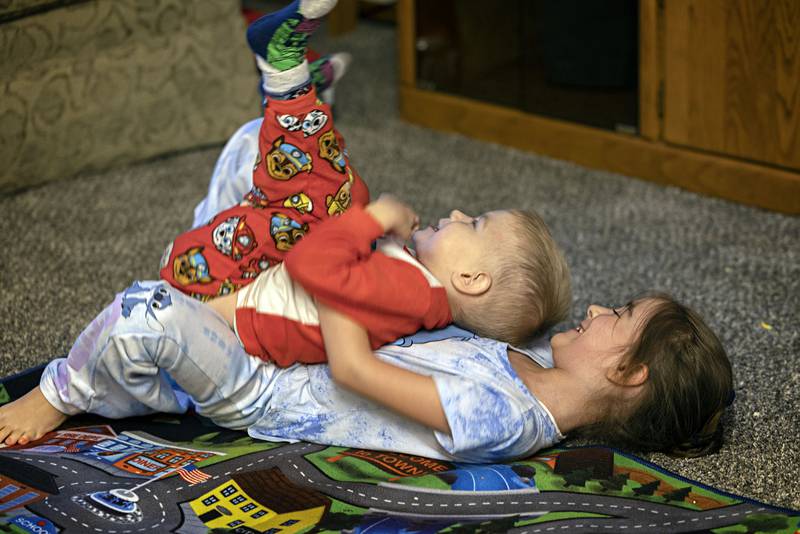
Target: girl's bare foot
column 28, row 418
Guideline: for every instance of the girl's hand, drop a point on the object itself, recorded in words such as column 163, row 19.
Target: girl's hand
column 396, row 217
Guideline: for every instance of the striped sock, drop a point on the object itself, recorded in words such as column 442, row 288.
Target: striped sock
column 279, row 41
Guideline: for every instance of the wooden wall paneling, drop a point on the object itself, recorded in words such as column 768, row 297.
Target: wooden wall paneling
column 406, row 42
column 732, row 78
column 344, row 17
column 763, row 81
column 691, row 64
column 757, row 185
column 694, row 73
column 787, row 81
column 650, row 69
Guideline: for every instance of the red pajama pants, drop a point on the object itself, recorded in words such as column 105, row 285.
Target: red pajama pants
column 301, row 176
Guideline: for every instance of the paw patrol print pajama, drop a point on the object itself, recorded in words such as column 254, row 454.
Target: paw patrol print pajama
column 301, row 176
column 302, row 187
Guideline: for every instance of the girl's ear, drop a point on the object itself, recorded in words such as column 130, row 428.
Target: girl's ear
column 637, row 376
column 471, row 283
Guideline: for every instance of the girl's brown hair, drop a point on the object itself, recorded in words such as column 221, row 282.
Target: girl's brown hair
column 689, row 384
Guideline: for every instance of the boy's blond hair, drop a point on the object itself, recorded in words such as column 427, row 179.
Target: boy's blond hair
column 531, row 289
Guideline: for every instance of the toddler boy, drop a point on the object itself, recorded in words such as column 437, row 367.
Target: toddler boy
column 499, row 275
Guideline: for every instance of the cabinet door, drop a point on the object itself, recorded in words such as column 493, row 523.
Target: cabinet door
column 732, row 78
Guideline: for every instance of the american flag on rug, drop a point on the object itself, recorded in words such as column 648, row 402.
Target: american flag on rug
column 192, row 474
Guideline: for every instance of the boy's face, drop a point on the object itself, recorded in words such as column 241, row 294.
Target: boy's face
column 461, row 243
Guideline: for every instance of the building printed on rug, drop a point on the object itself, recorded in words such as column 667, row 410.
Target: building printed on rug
column 29, row 485
column 32, row 523
column 137, row 456
column 68, row 441
column 395, row 463
column 126, row 454
column 407, row 472
column 261, row 501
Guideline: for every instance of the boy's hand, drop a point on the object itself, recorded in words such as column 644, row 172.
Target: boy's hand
column 396, row 217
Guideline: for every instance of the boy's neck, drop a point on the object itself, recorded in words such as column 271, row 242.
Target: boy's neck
column 457, row 302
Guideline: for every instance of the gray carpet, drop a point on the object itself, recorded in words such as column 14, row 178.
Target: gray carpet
column 68, row 247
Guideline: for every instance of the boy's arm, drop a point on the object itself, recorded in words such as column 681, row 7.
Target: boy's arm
column 388, row 296
column 354, row 366
column 339, row 243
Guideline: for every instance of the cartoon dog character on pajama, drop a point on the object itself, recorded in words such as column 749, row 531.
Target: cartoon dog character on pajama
column 191, row 267
column 289, row 122
column 285, row 160
column 285, row 231
column 338, row 203
column 138, row 294
column 256, row 198
column 234, row 238
column 226, row 288
column 300, row 202
column 255, row 266
column 313, row 122
column 329, row 150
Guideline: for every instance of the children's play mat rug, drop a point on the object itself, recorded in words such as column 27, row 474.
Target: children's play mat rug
column 183, row 474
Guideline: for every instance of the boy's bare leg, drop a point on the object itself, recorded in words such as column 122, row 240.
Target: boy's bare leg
column 225, row 306
column 28, row 418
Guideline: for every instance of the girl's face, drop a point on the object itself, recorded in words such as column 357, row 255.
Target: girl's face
column 598, row 343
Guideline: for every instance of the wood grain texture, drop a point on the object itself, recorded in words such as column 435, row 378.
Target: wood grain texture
column 735, row 180
column 344, row 17
column 732, row 72
column 650, row 69
column 406, row 42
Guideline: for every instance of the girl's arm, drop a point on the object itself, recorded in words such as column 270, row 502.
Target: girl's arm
column 354, row 366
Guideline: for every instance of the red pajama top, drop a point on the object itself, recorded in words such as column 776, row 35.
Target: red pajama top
column 386, row 290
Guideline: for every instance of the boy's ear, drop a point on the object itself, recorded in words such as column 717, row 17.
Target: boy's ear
column 471, row 283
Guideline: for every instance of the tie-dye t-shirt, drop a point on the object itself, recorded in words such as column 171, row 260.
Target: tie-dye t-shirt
column 492, row 415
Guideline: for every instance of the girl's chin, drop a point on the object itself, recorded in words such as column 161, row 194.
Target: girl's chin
column 563, row 337
column 557, row 339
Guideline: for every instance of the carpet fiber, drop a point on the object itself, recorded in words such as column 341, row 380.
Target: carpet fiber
column 68, row 247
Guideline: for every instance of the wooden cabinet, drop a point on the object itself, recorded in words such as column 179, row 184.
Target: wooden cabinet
column 732, row 78
column 718, row 103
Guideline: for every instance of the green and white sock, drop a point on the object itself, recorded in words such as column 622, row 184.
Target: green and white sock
column 279, row 41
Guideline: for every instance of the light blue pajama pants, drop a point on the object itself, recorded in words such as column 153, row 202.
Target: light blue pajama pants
column 151, row 337
column 232, row 178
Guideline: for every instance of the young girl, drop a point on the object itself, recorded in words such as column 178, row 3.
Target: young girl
column 649, row 376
